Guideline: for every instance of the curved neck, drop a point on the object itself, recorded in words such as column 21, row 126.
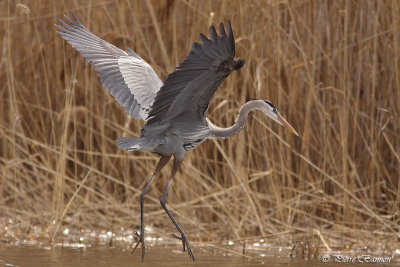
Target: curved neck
column 222, row 133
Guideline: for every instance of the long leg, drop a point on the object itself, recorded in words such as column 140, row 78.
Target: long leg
column 175, row 167
column 163, row 161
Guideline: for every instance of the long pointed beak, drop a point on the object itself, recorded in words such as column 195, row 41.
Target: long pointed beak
column 287, row 125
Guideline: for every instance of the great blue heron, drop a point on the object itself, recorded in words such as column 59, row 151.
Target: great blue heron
column 174, row 110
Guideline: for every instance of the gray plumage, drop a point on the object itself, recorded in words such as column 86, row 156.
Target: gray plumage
column 188, row 90
column 180, row 107
column 175, row 111
column 130, row 79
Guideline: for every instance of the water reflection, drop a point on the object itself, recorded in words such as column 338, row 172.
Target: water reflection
column 85, row 247
column 13, row 256
column 155, row 256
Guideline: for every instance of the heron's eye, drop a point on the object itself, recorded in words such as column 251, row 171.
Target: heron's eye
column 274, row 110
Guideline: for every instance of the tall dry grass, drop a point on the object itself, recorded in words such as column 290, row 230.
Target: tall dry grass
column 331, row 68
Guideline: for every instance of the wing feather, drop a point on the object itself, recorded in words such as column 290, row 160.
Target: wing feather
column 130, row 79
column 187, row 91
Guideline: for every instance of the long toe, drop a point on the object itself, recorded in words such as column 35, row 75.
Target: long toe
column 141, row 240
column 185, row 242
column 181, row 239
column 189, row 250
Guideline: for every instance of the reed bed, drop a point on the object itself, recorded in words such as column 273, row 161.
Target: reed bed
column 330, row 67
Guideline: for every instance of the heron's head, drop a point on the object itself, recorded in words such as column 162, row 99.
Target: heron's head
column 271, row 111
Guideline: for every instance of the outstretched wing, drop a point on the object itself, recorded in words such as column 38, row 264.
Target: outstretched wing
column 131, row 81
column 187, row 92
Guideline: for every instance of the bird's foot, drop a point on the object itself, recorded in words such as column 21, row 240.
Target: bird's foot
column 185, row 243
column 141, row 240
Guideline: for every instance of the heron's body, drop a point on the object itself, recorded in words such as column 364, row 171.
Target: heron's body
column 172, row 139
column 175, row 110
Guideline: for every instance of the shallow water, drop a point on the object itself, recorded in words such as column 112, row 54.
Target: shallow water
column 155, row 256
column 12, row 256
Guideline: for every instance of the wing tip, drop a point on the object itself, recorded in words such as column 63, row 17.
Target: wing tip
column 229, row 28
column 223, row 31
column 213, row 33
column 203, row 39
column 69, row 24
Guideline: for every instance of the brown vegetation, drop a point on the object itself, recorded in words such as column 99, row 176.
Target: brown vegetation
column 331, row 68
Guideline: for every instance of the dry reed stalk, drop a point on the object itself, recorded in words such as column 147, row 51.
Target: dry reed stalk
column 331, row 67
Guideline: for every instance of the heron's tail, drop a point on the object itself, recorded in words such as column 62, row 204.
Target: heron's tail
column 140, row 144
